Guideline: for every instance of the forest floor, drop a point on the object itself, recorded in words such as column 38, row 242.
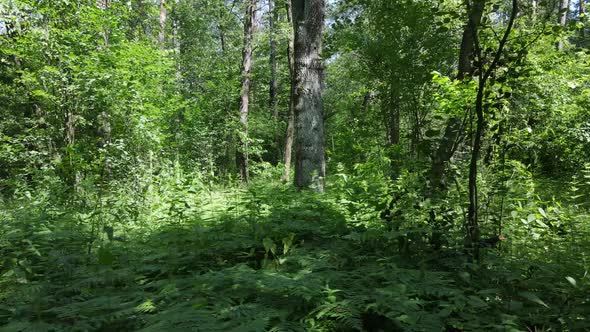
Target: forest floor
column 269, row 259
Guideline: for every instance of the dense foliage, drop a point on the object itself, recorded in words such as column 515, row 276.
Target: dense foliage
column 121, row 202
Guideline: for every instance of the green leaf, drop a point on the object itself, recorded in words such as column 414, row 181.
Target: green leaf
column 533, row 298
column 541, row 223
column 288, row 242
column 572, row 281
column 531, row 217
column 269, row 245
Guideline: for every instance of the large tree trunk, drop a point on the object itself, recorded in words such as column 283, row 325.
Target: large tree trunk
column 291, row 118
column 310, row 163
column 242, row 153
column 163, row 17
column 467, row 42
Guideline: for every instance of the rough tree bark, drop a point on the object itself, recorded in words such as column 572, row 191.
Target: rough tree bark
column 310, row 164
column 475, row 12
column 242, row 152
column 291, row 117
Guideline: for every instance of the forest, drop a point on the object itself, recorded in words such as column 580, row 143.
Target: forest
column 294, row 165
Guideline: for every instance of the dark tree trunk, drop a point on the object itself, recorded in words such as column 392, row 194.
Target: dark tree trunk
column 291, row 117
column 443, row 155
column 582, row 15
column 467, row 42
column 452, row 134
column 242, row 153
column 472, row 213
column 310, row 164
column 392, row 117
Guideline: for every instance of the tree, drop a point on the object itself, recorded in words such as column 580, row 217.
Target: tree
column 242, row 153
column 475, row 12
column 564, row 6
column 273, row 86
column 484, row 75
column 310, row 163
column 291, row 115
column 163, row 17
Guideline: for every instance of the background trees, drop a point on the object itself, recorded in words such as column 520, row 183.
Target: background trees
column 127, row 129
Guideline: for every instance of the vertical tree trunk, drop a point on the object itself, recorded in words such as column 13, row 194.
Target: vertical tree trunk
column 103, row 119
column 582, row 15
column 272, row 18
column 242, row 153
column 273, row 86
column 452, row 134
column 291, row 118
column 393, row 119
column 562, row 19
column 104, row 4
column 472, row 213
column 163, row 17
column 310, row 163
column 467, row 46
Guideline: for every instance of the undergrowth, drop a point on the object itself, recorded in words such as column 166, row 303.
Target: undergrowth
column 267, row 258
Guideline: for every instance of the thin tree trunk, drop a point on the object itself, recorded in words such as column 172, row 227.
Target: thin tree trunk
column 310, row 163
column 104, row 4
column 273, row 86
column 242, row 153
column 472, row 212
column 291, row 118
column 272, row 18
column 452, row 134
column 582, row 15
column 103, row 118
column 562, row 20
column 393, row 119
column 163, row 17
